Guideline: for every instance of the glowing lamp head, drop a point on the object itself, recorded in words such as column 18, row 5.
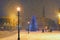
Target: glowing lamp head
column 18, row 8
column 28, row 22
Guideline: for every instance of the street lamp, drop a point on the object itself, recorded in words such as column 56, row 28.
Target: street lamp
column 18, row 8
column 28, row 26
column 18, row 11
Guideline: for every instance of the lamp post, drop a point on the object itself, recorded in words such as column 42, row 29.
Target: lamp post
column 18, row 11
column 28, row 26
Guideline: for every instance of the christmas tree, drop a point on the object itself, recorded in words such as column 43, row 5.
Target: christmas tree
column 33, row 24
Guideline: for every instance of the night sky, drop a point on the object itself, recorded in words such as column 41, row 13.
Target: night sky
column 31, row 7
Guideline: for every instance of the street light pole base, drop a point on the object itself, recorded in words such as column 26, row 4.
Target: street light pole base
column 18, row 38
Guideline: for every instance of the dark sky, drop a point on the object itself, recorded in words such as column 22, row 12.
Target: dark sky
column 34, row 7
column 31, row 7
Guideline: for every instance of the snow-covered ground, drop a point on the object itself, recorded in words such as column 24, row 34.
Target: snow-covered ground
column 41, row 36
column 7, row 33
column 34, row 36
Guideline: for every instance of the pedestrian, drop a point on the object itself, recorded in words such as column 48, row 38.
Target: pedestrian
column 42, row 30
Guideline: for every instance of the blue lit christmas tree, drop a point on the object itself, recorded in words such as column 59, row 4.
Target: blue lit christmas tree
column 33, row 24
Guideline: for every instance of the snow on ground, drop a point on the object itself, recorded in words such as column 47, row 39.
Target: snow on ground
column 34, row 36
column 7, row 33
column 41, row 36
